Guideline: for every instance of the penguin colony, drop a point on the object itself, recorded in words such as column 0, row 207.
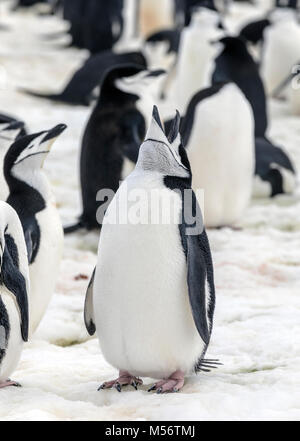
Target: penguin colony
column 151, row 297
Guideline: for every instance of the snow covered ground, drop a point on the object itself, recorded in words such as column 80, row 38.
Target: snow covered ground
column 257, row 322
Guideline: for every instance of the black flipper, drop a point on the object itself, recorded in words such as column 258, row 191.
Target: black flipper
column 254, row 31
column 89, row 308
column 200, row 277
column 15, row 282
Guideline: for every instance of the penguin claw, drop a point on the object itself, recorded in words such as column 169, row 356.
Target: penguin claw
column 118, row 387
column 124, row 379
column 173, row 384
column 10, row 383
column 134, row 384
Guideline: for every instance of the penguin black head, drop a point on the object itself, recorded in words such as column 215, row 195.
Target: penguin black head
column 27, row 155
column 236, row 47
column 163, row 153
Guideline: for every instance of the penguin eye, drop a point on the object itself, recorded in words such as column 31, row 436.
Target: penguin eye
column 31, row 146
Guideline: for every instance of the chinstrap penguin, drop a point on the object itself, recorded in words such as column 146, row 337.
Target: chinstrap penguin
column 218, row 133
column 14, row 292
column 152, row 302
column 113, row 135
column 80, row 88
column 31, row 196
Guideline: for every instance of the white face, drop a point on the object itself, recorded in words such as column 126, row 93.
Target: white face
column 143, row 82
column 28, row 165
column 34, row 155
column 157, row 55
column 159, row 155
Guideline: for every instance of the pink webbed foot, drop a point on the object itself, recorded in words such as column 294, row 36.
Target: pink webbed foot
column 125, row 379
column 9, row 383
column 172, row 384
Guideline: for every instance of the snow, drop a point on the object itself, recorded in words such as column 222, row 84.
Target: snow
column 257, row 322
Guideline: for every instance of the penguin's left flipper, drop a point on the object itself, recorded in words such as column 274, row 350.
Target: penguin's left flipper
column 200, row 276
column 15, row 282
column 89, row 319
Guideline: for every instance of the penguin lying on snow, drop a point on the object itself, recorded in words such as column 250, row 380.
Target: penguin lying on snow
column 152, row 303
column 218, row 132
column 14, row 290
column 31, row 197
column 113, row 135
column 79, row 89
column 9, row 131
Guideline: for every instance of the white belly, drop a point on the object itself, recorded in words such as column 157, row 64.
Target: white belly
column 142, row 312
column 221, row 153
column 15, row 343
column 44, row 270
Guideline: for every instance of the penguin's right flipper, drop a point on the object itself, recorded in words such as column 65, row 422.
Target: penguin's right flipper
column 89, row 319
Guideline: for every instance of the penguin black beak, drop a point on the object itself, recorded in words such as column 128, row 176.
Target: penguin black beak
column 55, row 132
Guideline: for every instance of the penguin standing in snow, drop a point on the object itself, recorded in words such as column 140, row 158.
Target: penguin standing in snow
column 237, row 65
column 9, row 131
column 14, row 291
column 197, row 55
column 218, row 132
column 31, row 197
column 152, row 302
column 113, row 135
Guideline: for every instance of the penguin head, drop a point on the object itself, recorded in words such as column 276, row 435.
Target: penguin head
column 161, row 153
column 9, row 131
column 235, row 46
column 161, row 49
column 141, row 82
column 26, row 156
column 14, row 262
